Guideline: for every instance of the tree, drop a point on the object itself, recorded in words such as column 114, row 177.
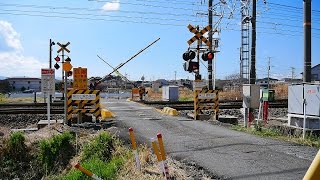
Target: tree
column 4, row 86
column 23, row 88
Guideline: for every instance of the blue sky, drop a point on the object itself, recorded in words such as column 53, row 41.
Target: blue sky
column 117, row 29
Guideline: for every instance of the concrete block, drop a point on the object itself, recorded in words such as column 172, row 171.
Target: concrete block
column 105, row 113
column 228, row 119
column 170, row 111
column 43, row 123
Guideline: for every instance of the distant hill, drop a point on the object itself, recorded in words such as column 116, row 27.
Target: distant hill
column 3, row 77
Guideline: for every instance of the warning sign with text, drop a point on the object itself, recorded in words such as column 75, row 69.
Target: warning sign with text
column 47, row 81
column 80, row 80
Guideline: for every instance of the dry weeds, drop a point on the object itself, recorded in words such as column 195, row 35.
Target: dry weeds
column 150, row 168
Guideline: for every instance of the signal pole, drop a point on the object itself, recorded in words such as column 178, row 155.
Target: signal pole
column 253, row 45
column 269, row 71
column 197, row 74
column 307, row 41
column 51, row 43
column 210, row 46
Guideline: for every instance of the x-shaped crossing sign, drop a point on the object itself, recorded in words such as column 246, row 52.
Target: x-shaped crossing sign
column 63, row 47
column 199, row 35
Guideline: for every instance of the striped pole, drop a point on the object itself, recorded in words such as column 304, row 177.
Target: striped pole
column 134, row 147
column 163, row 156
column 86, row 172
column 156, row 151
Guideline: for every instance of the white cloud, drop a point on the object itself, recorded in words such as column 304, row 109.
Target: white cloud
column 111, row 6
column 14, row 63
column 10, row 35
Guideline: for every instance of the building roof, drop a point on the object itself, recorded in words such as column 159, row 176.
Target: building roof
column 23, row 78
column 265, row 79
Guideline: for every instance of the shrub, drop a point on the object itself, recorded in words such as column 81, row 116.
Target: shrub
column 14, row 156
column 15, row 147
column 101, row 147
column 57, row 150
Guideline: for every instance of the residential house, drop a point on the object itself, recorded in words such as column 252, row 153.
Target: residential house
column 264, row 81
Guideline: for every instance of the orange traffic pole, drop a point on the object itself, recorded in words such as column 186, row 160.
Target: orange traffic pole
column 163, row 156
column 134, row 147
column 157, row 153
column 87, row 172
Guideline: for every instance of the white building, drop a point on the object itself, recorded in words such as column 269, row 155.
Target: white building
column 24, row 83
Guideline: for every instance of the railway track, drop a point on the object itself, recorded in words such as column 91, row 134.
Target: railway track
column 188, row 105
column 31, row 108
column 57, row 108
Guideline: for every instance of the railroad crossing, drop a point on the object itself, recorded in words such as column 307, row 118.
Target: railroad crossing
column 225, row 153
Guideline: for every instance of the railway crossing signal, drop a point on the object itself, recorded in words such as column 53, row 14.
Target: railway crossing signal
column 69, row 73
column 207, row 56
column 199, row 35
column 189, row 55
column 56, row 66
column 57, row 58
column 63, row 47
column 191, row 66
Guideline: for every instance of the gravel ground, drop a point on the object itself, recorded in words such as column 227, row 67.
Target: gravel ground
column 27, row 120
column 23, row 120
column 274, row 113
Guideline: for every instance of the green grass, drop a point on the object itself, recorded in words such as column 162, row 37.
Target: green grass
column 105, row 170
column 101, row 156
column 310, row 140
column 185, row 99
column 56, row 150
column 2, row 98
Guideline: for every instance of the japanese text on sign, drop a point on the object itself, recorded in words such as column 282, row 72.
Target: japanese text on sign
column 80, row 80
column 83, row 97
column 207, row 96
column 47, row 81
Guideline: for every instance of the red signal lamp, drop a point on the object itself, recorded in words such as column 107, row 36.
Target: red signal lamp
column 210, row 56
column 57, row 58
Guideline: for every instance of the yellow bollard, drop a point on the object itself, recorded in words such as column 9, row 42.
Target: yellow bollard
column 313, row 172
column 86, row 172
column 161, row 146
column 163, row 156
column 156, row 151
column 134, row 147
column 133, row 139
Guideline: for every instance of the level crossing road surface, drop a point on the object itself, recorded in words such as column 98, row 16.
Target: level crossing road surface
column 222, row 152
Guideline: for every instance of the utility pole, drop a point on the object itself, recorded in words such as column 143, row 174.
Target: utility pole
column 307, row 41
column 292, row 73
column 175, row 77
column 245, row 41
column 269, row 72
column 210, row 46
column 253, row 44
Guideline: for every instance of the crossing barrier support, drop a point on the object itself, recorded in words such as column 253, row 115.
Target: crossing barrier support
column 87, row 172
column 134, row 148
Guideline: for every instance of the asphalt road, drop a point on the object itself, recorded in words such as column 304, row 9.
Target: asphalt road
column 222, row 152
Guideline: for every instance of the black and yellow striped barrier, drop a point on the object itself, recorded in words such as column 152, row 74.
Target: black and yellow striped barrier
column 81, row 98
column 206, row 100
